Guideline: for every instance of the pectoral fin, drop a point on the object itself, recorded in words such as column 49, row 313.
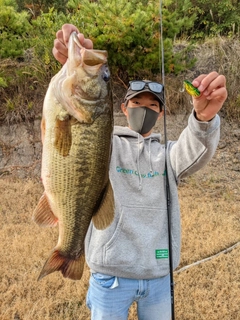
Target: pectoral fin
column 63, row 136
column 105, row 210
column 43, row 214
column 43, row 129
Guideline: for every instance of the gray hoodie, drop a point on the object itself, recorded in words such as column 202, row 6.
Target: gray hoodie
column 135, row 245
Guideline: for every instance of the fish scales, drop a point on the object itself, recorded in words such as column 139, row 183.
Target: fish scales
column 76, row 133
column 88, row 169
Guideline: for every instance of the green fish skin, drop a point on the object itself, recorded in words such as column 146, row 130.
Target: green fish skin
column 194, row 92
column 77, row 126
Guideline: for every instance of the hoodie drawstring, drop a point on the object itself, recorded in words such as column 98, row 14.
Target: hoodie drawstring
column 149, row 162
column 149, row 156
column 138, row 167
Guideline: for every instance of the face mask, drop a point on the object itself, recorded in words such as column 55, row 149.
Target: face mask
column 142, row 119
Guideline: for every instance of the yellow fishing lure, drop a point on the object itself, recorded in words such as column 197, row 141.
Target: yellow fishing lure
column 194, row 92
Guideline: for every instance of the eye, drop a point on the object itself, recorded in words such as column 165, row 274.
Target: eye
column 105, row 74
column 155, row 106
column 135, row 102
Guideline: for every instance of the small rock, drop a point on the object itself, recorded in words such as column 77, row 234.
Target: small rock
column 222, row 145
column 16, row 316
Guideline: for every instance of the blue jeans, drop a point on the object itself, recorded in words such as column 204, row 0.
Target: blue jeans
column 109, row 298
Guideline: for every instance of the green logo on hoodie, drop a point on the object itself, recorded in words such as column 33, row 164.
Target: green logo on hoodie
column 161, row 253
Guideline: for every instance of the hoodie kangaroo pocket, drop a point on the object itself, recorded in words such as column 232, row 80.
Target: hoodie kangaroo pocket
column 140, row 235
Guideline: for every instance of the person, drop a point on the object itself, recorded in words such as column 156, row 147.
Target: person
column 129, row 260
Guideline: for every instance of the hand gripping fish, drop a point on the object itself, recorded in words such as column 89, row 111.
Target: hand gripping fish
column 76, row 132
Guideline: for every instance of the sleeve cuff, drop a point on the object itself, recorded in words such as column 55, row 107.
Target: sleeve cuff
column 201, row 127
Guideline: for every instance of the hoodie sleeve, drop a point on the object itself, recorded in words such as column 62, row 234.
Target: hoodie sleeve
column 195, row 146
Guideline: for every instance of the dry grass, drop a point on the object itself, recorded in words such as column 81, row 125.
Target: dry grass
column 24, row 248
column 215, row 54
column 210, row 221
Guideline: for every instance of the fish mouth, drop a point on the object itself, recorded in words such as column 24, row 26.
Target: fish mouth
column 82, row 85
column 86, row 57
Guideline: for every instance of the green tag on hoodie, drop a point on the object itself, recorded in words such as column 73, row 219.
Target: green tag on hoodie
column 161, row 253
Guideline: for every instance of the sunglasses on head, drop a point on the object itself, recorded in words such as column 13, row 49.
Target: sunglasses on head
column 137, row 85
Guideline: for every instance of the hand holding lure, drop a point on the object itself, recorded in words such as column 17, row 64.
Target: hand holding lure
column 193, row 91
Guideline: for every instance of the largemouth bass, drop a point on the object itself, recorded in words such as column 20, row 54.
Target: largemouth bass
column 76, row 133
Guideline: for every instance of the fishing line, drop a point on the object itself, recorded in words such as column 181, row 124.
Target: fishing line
column 168, row 200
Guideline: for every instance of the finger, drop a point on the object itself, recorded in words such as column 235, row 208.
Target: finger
column 219, row 82
column 196, row 82
column 207, row 80
column 203, row 81
column 60, row 51
column 58, row 56
column 61, row 47
column 218, row 94
column 88, row 44
column 67, row 29
column 64, row 35
column 59, row 36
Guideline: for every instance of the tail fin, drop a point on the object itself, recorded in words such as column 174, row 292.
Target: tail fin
column 70, row 268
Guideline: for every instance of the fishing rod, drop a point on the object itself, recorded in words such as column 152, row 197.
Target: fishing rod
column 168, row 200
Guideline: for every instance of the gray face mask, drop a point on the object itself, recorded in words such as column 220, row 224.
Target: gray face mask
column 142, row 119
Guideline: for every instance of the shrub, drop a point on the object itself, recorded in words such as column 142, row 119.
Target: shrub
column 129, row 31
column 14, row 30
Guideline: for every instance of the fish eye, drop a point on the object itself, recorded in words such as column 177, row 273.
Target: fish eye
column 106, row 74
